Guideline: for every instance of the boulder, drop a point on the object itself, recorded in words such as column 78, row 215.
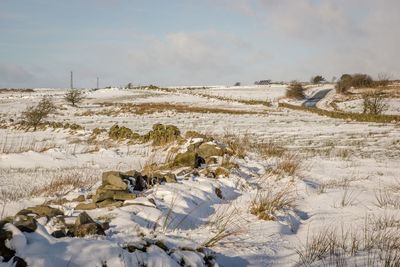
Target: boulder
column 186, row 159
column 207, row 150
column 80, row 198
column 170, row 178
column 83, row 218
column 109, row 203
column 41, row 211
column 114, row 178
column 25, row 223
column 5, row 252
column 85, row 206
column 89, row 229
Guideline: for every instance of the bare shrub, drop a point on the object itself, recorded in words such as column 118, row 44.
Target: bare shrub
column 74, row 96
column 35, row 115
column 383, row 79
column 295, row 91
column 374, row 103
column 265, row 204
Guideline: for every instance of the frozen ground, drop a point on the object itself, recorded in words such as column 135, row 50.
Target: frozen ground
column 345, row 167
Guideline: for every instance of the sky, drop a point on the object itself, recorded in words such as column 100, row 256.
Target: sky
column 189, row 42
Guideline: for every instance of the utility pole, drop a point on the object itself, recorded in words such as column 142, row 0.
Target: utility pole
column 72, row 80
column 97, row 87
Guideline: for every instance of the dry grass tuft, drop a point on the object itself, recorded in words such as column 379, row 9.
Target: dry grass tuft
column 387, row 199
column 289, row 164
column 265, row 204
column 379, row 243
column 63, row 184
column 224, row 223
column 268, row 150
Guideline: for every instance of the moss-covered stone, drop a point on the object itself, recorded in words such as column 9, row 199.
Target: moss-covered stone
column 121, row 133
column 186, row 159
column 207, row 150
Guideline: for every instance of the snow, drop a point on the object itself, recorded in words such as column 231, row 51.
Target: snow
column 338, row 158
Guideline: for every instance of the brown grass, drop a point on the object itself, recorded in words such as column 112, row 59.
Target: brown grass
column 63, row 184
column 289, row 164
column 150, row 108
column 268, row 150
column 265, row 204
column 381, row 118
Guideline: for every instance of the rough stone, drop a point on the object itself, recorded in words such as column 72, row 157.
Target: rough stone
column 207, row 150
column 113, row 178
column 5, row 252
column 170, row 177
column 80, row 198
column 109, row 203
column 41, row 211
column 85, row 206
column 83, row 218
column 25, row 223
column 186, row 159
column 89, row 229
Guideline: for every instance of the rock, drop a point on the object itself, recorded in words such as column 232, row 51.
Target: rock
column 207, row 150
column 59, row 234
column 5, row 252
column 212, row 160
column 113, row 178
column 112, row 194
column 80, row 198
column 109, row 203
column 123, row 195
column 170, row 178
column 19, row 262
column 41, row 211
column 186, row 159
column 89, row 196
column 89, row 229
column 218, row 192
column 83, row 218
column 25, row 223
column 85, row 206
column 199, row 161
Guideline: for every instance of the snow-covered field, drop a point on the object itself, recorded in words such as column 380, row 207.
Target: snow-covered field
column 348, row 183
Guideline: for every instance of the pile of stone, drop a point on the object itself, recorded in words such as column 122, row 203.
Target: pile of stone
column 118, row 187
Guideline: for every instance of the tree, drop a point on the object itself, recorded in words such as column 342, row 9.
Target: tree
column 237, row 84
column 74, row 96
column 317, row 79
column 295, row 90
column 34, row 115
column 374, row 103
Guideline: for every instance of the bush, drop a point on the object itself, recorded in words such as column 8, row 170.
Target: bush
column 295, row 91
column 356, row 80
column 74, row 96
column 374, row 103
column 317, row 79
column 35, row 115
